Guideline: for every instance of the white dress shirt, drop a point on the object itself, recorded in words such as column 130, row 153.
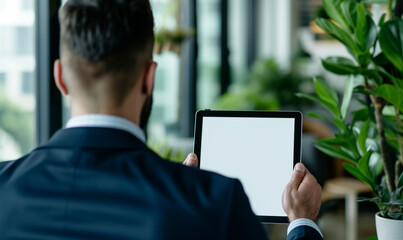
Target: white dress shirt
column 108, row 121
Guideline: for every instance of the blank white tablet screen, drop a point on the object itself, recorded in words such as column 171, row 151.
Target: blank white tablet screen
column 257, row 151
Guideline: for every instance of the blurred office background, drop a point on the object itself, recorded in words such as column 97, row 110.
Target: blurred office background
column 206, row 48
column 216, row 54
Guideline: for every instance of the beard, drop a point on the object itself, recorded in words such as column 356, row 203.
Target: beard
column 145, row 113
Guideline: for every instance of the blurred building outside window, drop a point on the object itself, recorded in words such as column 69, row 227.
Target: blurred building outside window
column 164, row 119
column 238, row 39
column 17, row 81
column 28, row 83
column 281, row 27
column 2, row 80
column 208, row 65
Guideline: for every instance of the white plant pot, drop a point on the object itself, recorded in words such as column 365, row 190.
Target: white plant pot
column 388, row 229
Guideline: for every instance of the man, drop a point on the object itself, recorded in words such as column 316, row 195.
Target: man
column 97, row 179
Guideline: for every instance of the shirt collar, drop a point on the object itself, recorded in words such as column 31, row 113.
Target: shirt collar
column 106, row 121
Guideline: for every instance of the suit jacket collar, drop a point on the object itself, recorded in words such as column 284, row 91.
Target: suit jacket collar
column 96, row 137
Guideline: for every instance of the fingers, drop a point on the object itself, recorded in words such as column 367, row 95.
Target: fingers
column 302, row 195
column 309, row 183
column 298, row 175
column 191, row 160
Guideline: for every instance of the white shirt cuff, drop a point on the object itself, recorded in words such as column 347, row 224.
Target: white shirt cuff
column 303, row 222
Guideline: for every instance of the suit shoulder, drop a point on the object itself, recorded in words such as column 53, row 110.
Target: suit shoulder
column 195, row 174
column 191, row 179
column 8, row 167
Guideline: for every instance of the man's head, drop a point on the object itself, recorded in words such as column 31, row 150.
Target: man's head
column 106, row 50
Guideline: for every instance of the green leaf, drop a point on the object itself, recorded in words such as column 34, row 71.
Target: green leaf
column 361, row 27
column 340, row 124
column 372, row 238
column 383, row 191
column 396, row 215
column 332, row 8
column 382, row 20
column 348, row 93
column 400, row 181
column 391, row 42
column 334, row 152
column 353, row 170
column 330, row 107
column 372, row 74
column 340, row 65
column 349, row 11
column 338, row 33
column 360, row 115
column 372, row 33
column 398, row 82
column 334, row 141
column 362, row 137
column 325, row 92
column 352, row 141
column 376, row 165
column 363, row 166
column 390, row 93
column 362, row 89
column 375, row 1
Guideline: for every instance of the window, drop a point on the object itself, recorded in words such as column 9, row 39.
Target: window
column 23, row 38
column 27, row 83
column 209, row 35
column 5, row 37
column 237, row 40
column 27, row 4
column 17, row 65
column 2, row 80
column 164, row 119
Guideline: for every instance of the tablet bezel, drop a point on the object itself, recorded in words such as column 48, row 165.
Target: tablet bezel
column 297, row 116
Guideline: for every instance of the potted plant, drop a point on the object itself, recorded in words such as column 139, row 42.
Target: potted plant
column 371, row 142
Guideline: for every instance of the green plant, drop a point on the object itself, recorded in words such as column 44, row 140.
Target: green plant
column 268, row 88
column 175, row 36
column 16, row 122
column 166, row 152
column 371, row 142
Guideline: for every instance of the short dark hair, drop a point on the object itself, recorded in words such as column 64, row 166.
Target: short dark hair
column 110, row 35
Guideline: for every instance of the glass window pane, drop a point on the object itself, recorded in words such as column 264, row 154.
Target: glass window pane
column 24, row 36
column 237, row 11
column 2, row 79
column 27, row 83
column 17, row 67
column 208, row 82
column 164, row 119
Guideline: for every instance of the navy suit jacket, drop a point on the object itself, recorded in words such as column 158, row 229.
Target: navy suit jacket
column 101, row 183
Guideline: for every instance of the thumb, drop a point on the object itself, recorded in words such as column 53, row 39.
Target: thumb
column 191, row 160
column 298, row 175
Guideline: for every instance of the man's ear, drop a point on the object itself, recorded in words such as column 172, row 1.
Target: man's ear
column 57, row 74
column 148, row 78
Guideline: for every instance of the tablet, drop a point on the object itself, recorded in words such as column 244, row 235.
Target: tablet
column 260, row 148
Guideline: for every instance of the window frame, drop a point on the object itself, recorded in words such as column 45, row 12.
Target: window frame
column 49, row 116
column 188, row 75
column 48, row 97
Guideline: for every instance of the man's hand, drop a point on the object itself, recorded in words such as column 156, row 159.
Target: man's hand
column 191, row 160
column 302, row 195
